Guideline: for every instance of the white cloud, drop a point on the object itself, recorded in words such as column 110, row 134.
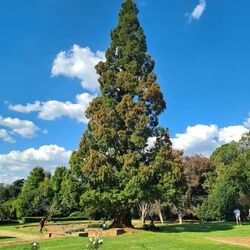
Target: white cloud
column 19, row 163
column 197, row 139
column 53, row 109
column 204, row 139
column 197, row 11
column 79, row 63
column 247, row 121
column 5, row 136
column 23, row 128
column 231, row 133
column 7, row 177
column 29, row 107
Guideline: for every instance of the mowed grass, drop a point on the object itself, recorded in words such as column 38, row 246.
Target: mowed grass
column 188, row 236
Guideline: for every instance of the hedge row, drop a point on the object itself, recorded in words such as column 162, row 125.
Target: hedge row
column 37, row 219
column 6, row 222
column 31, row 219
column 69, row 218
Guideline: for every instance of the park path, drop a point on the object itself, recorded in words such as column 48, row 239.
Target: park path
column 23, row 237
column 240, row 241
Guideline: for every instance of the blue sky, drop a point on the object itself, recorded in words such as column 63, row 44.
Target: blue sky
column 48, row 50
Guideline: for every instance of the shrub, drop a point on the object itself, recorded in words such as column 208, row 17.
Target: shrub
column 94, row 243
column 6, row 222
column 69, row 219
column 78, row 214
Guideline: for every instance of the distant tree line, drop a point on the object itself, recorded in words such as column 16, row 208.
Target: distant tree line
column 195, row 187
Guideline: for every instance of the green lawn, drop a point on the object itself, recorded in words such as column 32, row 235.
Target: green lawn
column 189, row 236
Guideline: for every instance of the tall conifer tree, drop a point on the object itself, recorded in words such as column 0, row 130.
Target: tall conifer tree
column 113, row 157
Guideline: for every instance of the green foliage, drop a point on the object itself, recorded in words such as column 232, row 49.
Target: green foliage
column 113, row 161
column 76, row 218
column 8, row 222
column 229, row 184
column 220, row 203
column 35, row 194
column 8, row 196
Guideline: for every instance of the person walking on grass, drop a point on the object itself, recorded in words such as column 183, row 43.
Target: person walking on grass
column 237, row 216
column 42, row 223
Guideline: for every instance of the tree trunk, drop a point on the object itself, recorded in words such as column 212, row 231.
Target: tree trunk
column 122, row 219
column 179, row 212
column 144, row 207
column 143, row 213
column 160, row 216
column 180, row 218
column 157, row 205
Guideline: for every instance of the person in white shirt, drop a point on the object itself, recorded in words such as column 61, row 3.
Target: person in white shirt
column 237, row 216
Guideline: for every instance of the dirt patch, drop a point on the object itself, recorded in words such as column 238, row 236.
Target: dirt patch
column 57, row 229
column 242, row 241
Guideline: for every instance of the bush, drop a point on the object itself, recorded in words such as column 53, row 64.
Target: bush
column 95, row 225
column 69, row 219
column 220, row 203
column 78, row 214
column 6, row 222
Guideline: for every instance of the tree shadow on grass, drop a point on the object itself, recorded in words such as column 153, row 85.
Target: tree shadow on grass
column 205, row 227
column 6, row 237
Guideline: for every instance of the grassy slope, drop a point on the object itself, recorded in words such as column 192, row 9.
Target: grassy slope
column 172, row 237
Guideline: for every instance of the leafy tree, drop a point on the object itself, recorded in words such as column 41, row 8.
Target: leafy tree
column 220, row 203
column 57, row 187
column 3, row 194
column 15, row 188
column 26, row 204
column 70, row 192
column 8, row 196
column 196, row 170
column 42, row 200
column 113, row 158
column 8, row 210
column 232, row 169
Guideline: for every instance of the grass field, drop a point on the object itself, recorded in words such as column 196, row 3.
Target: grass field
column 188, row 236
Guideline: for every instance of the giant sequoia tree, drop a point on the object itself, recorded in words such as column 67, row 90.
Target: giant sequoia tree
column 113, row 159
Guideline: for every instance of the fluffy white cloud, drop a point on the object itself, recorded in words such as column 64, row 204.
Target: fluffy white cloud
column 204, row 139
column 197, row 139
column 19, row 163
column 198, row 11
column 231, row 133
column 79, row 63
column 53, row 109
column 23, row 128
column 5, row 136
column 29, row 107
